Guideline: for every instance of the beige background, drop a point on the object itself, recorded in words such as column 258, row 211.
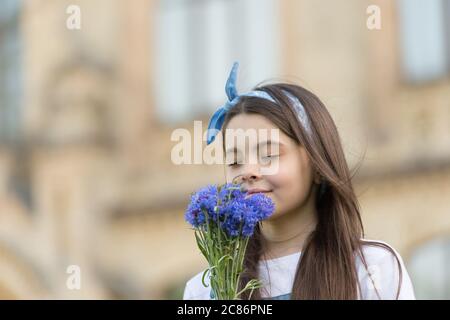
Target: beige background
column 96, row 159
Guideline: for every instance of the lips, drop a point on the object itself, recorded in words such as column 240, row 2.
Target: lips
column 257, row 190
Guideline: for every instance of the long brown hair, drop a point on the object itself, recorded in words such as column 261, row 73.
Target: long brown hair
column 327, row 267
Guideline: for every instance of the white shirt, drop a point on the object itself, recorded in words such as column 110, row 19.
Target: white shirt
column 278, row 277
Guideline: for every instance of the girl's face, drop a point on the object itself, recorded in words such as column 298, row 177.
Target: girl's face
column 291, row 184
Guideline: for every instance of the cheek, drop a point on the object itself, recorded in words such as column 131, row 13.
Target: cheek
column 286, row 183
column 291, row 184
column 289, row 174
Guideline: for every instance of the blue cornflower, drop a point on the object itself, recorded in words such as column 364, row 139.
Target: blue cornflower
column 224, row 218
column 203, row 201
column 229, row 208
column 262, row 204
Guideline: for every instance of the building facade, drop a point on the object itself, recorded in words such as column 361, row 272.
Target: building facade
column 86, row 177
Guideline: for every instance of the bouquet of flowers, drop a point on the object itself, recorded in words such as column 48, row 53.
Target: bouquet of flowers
column 224, row 218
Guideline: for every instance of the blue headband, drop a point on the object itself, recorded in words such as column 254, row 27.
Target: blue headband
column 216, row 122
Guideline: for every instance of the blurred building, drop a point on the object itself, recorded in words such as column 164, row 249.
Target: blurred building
column 86, row 118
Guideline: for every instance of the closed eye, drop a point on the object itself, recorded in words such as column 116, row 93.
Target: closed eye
column 271, row 156
column 234, row 162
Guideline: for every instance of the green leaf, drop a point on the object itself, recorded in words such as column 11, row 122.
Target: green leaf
column 203, row 277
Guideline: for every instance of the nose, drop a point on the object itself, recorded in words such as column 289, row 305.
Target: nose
column 251, row 173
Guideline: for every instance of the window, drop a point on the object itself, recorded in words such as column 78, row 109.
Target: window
column 425, row 39
column 197, row 42
column 429, row 270
column 10, row 70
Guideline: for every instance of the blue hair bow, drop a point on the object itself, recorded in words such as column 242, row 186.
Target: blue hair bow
column 216, row 121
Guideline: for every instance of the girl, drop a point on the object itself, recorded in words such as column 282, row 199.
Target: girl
column 313, row 246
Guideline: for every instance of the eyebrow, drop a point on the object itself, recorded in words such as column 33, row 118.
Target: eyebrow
column 259, row 145
column 270, row 142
